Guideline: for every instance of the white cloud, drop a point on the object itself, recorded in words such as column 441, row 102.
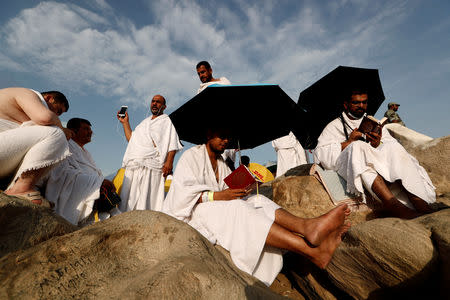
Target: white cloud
column 82, row 49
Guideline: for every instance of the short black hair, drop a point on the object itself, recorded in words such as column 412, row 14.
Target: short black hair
column 203, row 63
column 245, row 160
column 58, row 97
column 75, row 123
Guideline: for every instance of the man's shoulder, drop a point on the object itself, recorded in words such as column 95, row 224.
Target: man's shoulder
column 224, row 80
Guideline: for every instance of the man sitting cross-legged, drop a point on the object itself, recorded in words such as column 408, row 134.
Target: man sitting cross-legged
column 253, row 229
column 32, row 138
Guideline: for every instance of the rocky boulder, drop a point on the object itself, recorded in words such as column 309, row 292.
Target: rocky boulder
column 140, row 254
column 24, row 224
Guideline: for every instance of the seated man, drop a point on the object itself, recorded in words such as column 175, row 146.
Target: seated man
column 372, row 165
column 148, row 159
column 290, row 153
column 32, row 138
column 74, row 185
column 254, row 229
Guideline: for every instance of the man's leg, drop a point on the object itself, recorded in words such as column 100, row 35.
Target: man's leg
column 314, row 230
column 390, row 203
column 282, row 238
column 420, row 205
column 26, row 182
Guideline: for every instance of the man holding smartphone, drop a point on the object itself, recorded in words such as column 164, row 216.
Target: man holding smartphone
column 148, row 159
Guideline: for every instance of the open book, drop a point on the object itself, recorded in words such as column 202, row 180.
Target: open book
column 371, row 124
column 242, row 178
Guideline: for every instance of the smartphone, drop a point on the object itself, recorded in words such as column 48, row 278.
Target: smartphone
column 122, row 111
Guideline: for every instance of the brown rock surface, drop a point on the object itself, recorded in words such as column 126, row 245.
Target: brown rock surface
column 435, row 158
column 385, row 257
column 140, row 254
column 24, row 224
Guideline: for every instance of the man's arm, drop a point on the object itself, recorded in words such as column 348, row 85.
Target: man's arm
column 354, row 136
column 126, row 125
column 168, row 164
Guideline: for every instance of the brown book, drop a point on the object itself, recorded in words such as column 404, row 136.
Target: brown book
column 371, row 124
column 242, row 178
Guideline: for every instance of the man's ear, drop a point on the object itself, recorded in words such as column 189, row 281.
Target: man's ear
column 47, row 97
column 345, row 105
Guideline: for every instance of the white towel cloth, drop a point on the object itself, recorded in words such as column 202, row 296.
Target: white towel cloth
column 359, row 162
column 290, row 153
column 74, row 185
column 29, row 147
column 240, row 226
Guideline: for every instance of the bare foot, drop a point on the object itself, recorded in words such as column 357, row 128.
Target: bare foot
column 323, row 254
column 318, row 229
column 395, row 208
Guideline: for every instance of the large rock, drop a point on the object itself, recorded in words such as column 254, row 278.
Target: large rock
column 434, row 156
column 386, row 257
column 140, row 254
column 24, row 224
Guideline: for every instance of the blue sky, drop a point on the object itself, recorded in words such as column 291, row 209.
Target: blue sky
column 103, row 54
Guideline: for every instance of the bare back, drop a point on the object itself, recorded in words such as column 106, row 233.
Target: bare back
column 20, row 105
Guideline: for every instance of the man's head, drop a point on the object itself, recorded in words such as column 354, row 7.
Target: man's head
column 158, row 105
column 56, row 102
column 217, row 139
column 356, row 105
column 245, row 160
column 394, row 106
column 82, row 130
column 204, row 71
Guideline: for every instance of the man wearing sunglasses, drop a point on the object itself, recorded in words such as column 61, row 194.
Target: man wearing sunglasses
column 375, row 162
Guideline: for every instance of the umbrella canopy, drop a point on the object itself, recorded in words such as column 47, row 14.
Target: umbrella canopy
column 323, row 101
column 254, row 114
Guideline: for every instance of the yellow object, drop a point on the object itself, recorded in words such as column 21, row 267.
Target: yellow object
column 118, row 180
column 167, row 183
column 261, row 172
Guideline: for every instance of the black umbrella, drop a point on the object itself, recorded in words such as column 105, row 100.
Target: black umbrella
column 323, row 101
column 254, row 114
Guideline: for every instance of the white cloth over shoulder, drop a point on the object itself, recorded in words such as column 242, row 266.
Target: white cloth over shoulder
column 74, row 185
column 221, row 81
column 290, row 153
column 143, row 183
column 359, row 162
column 240, row 226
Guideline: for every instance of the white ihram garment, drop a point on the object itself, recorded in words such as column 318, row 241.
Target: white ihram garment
column 27, row 146
column 290, row 153
column 359, row 163
column 143, row 183
column 240, row 226
column 74, row 185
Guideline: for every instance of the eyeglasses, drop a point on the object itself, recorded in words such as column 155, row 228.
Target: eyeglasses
column 355, row 102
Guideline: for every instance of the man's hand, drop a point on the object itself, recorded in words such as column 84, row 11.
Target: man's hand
column 167, row 168
column 123, row 119
column 231, row 194
column 374, row 139
column 355, row 135
column 69, row 133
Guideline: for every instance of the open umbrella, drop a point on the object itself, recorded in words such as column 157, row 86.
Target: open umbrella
column 254, row 114
column 323, row 101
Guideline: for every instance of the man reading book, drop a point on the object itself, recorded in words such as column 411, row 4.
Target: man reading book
column 253, row 229
column 376, row 162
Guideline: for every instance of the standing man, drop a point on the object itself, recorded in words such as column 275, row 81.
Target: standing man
column 253, row 229
column 374, row 164
column 204, row 72
column 74, row 184
column 290, row 153
column 392, row 114
column 148, row 159
column 32, row 138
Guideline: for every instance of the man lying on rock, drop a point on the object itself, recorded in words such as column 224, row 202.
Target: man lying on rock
column 381, row 165
column 253, row 229
column 32, row 138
